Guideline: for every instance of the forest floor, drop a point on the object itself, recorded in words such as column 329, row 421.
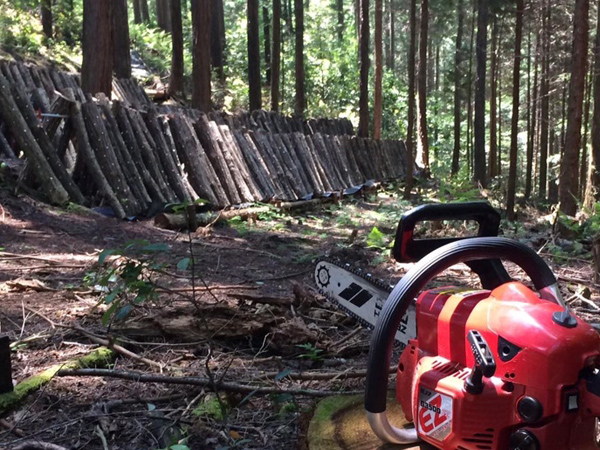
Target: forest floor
column 243, row 314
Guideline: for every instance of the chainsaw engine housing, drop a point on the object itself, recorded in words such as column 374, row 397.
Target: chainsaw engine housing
column 500, row 370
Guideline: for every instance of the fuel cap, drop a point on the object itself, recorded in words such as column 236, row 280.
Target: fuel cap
column 530, row 409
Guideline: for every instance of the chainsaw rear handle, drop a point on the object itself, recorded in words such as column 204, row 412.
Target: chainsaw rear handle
column 407, row 249
column 408, row 288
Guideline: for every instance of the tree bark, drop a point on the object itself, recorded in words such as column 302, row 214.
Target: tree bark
column 493, row 165
column 593, row 191
column 176, row 78
column 545, row 106
column 217, row 39
column 97, row 66
column 339, row 6
column 568, row 187
column 201, row 89
column 145, row 11
column 378, row 102
column 533, row 111
column 276, row 62
column 253, row 56
column 479, row 172
column 163, row 13
column 121, row 54
column 137, row 12
column 267, row 41
column 363, row 105
column 299, row 59
column 391, row 31
column 47, row 24
column 512, row 171
column 423, row 147
column 458, row 56
column 410, row 161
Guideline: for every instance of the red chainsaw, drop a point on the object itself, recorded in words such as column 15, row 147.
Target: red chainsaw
column 503, row 367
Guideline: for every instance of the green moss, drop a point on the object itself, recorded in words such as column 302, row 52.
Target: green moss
column 100, row 357
column 212, row 407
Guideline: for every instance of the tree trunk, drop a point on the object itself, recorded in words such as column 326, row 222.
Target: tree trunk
column 253, row 56
column 122, row 56
column 545, row 106
column 363, row 45
column 201, row 89
column 145, row 11
column 423, row 148
column 137, row 12
column 340, row 19
column 410, row 159
column 479, row 172
column 299, row 60
column 163, row 15
column 593, row 190
column 458, row 56
column 47, row 18
column 512, row 171
column 275, row 68
column 531, row 134
column 97, row 66
column 267, row 40
column 378, row 101
column 493, row 165
column 217, row 39
column 469, row 151
column 584, row 163
column 568, row 187
column 391, row 32
column 176, row 79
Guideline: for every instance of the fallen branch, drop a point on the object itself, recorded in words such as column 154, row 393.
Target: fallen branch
column 257, row 298
column 197, row 381
column 323, row 376
column 205, row 289
column 38, row 445
column 180, row 221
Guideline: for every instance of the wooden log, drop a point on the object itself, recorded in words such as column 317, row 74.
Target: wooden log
column 136, row 154
column 340, row 160
column 166, row 130
column 165, row 154
column 333, row 173
column 64, row 136
column 27, row 78
column 57, row 169
column 362, row 159
column 5, row 147
column 60, row 107
column 126, row 162
column 35, row 77
column 290, row 168
column 373, row 147
column 298, row 163
column 355, row 174
column 265, row 145
column 318, row 164
column 106, row 157
column 149, row 155
column 211, row 140
column 258, row 171
column 47, row 83
column 238, row 168
column 202, row 175
column 85, row 150
column 181, row 222
column 264, row 165
column 16, row 73
column 305, row 159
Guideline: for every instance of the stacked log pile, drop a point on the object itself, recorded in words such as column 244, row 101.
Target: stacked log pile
column 132, row 155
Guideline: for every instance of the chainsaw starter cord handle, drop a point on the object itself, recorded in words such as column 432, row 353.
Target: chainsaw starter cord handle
column 409, row 287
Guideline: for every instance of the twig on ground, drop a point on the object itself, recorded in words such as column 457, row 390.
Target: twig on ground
column 197, row 381
column 206, row 288
column 346, row 338
column 244, row 249
column 38, row 445
column 11, row 428
column 322, row 376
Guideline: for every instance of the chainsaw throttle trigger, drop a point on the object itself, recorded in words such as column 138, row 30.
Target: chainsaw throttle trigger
column 485, row 365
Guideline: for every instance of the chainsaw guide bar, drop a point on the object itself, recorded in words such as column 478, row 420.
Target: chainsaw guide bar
column 360, row 296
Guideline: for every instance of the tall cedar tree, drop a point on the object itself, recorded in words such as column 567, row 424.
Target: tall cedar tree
column 593, row 191
column 391, row 31
column 299, row 59
column 137, row 11
column 217, row 39
column 145, row 11
column 533, row 112
column 253, row 56
column 377, row 104
column 410, row 152
column 122, row 55
column 544, row 96
column 97, row 65
column 512, row 171
column 363, row 44
column 423, row 148
column 493, row 163
column 479, row 169
column 201, row 90
column 47, row 18
column 176, row 79
column 163, row 15
column 340, row 19
column 568, row 186
column 267, row 47
column 276, row 61
column 458, row 57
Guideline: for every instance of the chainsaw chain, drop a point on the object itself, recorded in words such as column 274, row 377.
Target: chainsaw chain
column 379, row 283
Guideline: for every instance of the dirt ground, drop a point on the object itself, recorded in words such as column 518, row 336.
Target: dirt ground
column 253, row 318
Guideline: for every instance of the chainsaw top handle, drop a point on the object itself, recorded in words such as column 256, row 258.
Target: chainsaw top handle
column 408, row 288
column 407, row 249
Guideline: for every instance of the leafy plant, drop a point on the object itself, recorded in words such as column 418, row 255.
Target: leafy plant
column 376, row 239
column 310, row 352
column 127, row 281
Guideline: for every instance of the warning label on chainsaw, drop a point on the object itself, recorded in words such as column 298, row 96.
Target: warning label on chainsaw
column 434, row 414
